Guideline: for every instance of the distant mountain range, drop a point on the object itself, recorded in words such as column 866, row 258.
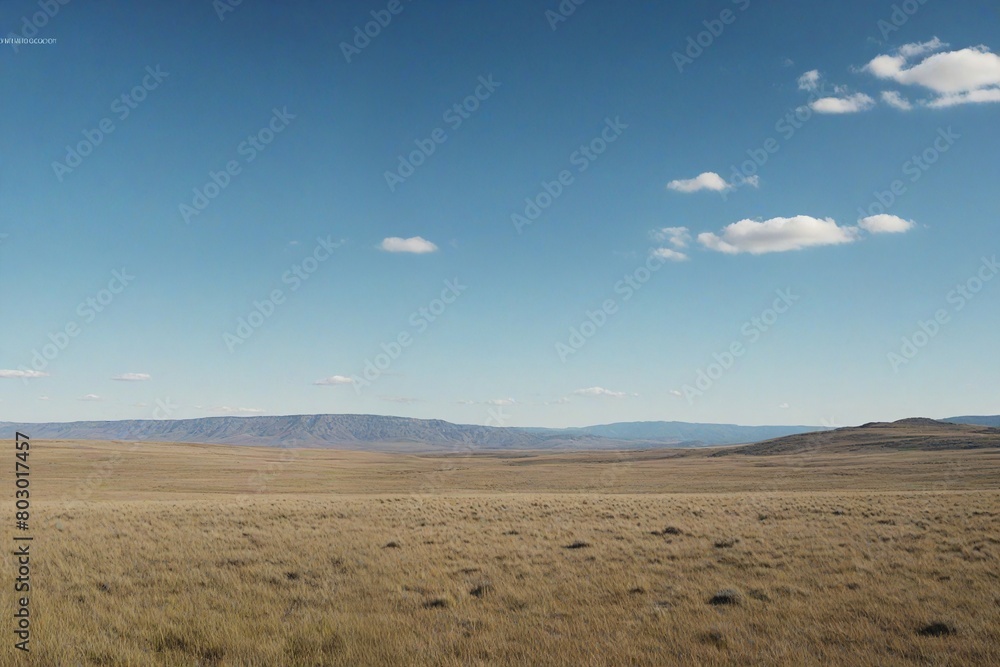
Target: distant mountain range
column 400, row 433
column 980, row 421
column 376, row 432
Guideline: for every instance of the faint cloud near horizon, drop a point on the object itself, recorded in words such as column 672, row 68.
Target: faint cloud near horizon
column 132, row 377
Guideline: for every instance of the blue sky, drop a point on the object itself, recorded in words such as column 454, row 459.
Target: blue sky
column 716, row 235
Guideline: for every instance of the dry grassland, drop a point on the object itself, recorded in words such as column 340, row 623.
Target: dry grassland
column 203, row 555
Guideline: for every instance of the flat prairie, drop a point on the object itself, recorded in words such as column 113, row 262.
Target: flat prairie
column 175, row 554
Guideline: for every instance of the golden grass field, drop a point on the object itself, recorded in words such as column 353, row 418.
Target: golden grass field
column 168, row 554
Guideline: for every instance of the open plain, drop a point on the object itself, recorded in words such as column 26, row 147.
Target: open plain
column 169, row 554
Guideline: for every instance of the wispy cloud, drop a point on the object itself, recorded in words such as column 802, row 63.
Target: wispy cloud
column 132, row 377
column 334, row 380
column 679, row 237
column 894, row 99
column 236, row 411
column 809, row 81
column 400, row 399
column 600, row 392
column 669, row 254
column 89, row 397
column 9, row 374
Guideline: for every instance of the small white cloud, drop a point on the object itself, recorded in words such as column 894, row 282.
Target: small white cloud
column 809, row 81
column 501, row 401
column 669, row 254
column 600, row 392
column 414, row 244
column 674, row 392
column 22, row 374
column 89, row 397
column 894, row 99
column 783, row 406
column 885, row 224
column 708, row 180
column 679, row 237
column 777, row 235
column 132, row 377
column 839, row 105
column 43, row 398
column 334, row 380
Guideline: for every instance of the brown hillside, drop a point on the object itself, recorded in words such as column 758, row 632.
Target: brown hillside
column 905, row 434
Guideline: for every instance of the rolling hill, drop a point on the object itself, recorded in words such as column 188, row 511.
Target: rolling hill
column 905, row 434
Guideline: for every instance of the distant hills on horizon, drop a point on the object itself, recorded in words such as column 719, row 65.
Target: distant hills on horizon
column 914, row 434
column 378, row 432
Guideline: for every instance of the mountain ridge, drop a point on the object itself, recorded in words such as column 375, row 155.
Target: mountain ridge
column 375, row 432
column 359, row 431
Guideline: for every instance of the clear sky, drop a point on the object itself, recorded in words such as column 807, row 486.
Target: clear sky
column 798, row 185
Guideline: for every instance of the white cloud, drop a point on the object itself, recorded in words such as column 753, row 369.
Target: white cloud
column 783, row 406
column 966, row 76
column 501, row 401
column 334, row 380
column 809, row 81
column 850, row 104
column 415, row 244
column 708, row 180
column 89, row 397
column 132, row 377
column 600, row 392
column 237, row 411
column 777, row 235
column 885, row 224
column 22, row 374
column 43, row 398
column 674, row 392
column 894, row 99
column 669, row 254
